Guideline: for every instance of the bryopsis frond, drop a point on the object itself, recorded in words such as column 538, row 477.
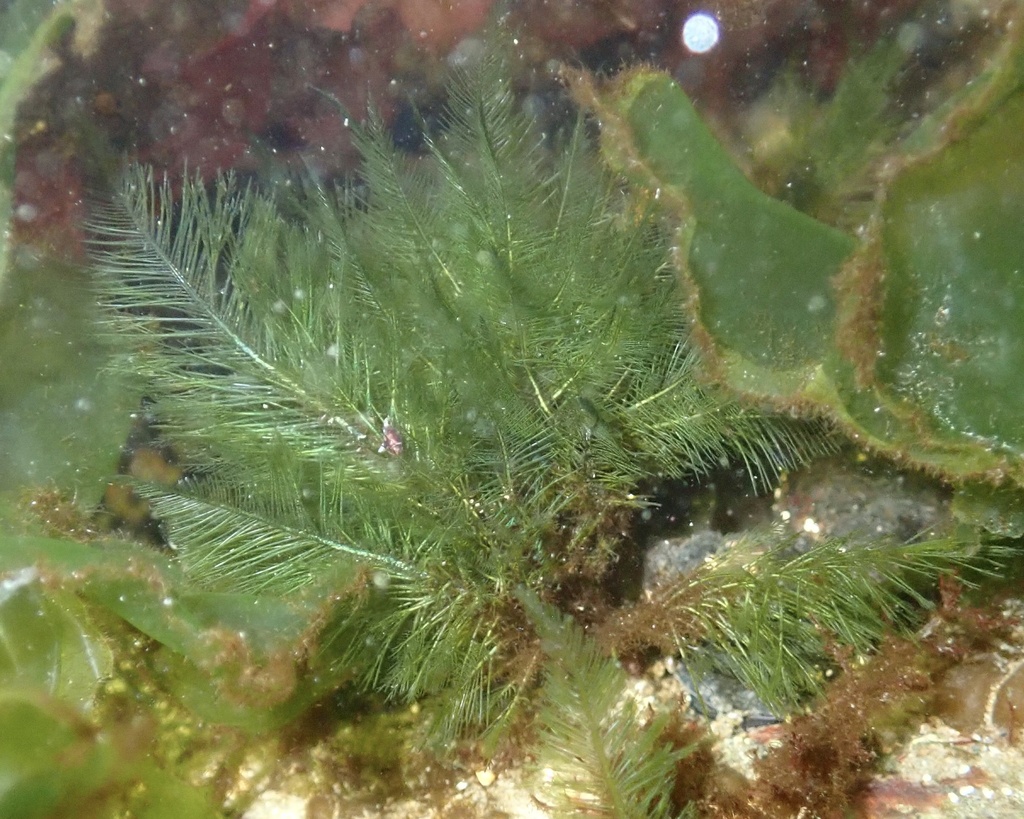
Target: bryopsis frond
column 772, row 617
column 605, row 760
column 433, row 388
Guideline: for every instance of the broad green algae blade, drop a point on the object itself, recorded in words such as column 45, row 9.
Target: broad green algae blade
column 911, row 337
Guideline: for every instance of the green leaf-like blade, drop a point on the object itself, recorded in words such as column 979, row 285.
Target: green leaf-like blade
column 735, row 246
column 910, row 338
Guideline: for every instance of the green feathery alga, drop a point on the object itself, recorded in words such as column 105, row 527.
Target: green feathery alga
column 433, row 398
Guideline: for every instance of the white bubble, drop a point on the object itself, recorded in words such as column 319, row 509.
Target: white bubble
column 816, row 303
column 700, row 33
column 26, row 212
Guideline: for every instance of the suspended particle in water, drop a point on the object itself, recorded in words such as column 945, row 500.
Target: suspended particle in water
column 700, row 33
